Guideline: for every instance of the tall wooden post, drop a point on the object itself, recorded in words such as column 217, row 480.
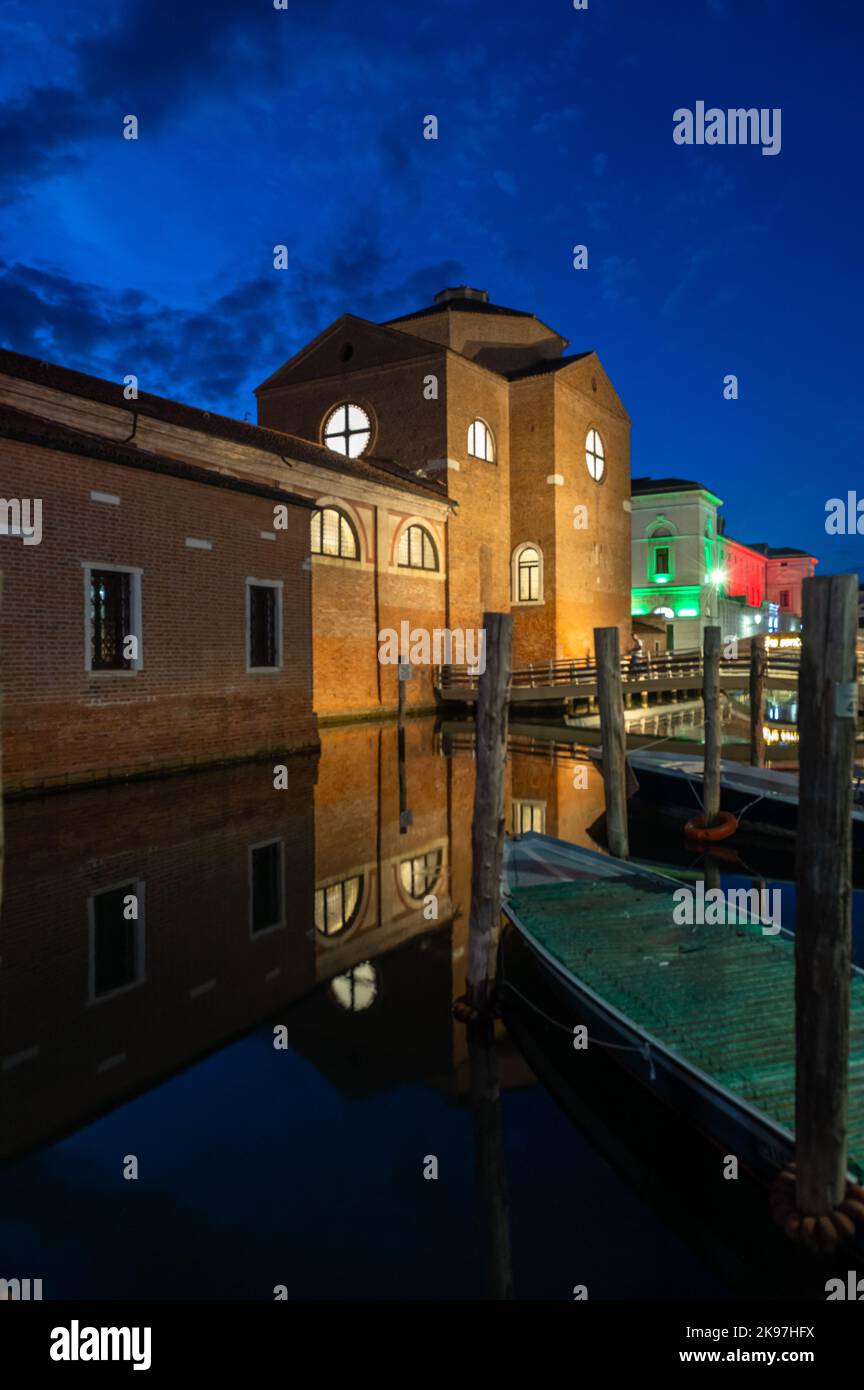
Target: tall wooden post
column 405, row 816
column 828, row 708
column 758, row 662
column 607, row 654
column 489, row 1159
column 2, row 817
column 713, row 730
column 487, row 829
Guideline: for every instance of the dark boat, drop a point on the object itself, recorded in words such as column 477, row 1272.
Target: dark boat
column 765, row 800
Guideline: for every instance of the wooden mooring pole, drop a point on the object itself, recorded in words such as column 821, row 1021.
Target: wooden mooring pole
column 758, row 662
column 607, row 654
column 814, row 1200
column 487, row 829
column 713, row 728
column 491, row 1177
column 828, row 710
column 405, row 816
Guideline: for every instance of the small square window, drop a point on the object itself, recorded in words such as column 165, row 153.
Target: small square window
column 529, row 815
column 264, row 621
column 266, row 887
column 112, row 596
column 116, row 939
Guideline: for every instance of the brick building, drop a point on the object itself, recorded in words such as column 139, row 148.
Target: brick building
column 529, row 447
column 450, row 462
column 155, row 620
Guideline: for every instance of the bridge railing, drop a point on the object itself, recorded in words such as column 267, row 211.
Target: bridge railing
column 576, row 671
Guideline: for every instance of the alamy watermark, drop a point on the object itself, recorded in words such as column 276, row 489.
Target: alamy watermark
column 438, row 646
column 716, row 908
column 21, row 516
column 21, row 1290
column 739, row 126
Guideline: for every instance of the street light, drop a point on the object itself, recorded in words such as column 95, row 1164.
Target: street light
column 717, row 577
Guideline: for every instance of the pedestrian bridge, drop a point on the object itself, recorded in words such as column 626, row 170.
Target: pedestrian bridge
column 557, row 682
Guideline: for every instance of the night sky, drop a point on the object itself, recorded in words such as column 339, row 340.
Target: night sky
column 260, row 126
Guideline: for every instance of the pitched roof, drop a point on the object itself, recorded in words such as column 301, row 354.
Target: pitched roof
column 776, row 552
column 190, row 417
column 461, row 306
column 649, row 485
column 549, row 364
column 51, row 434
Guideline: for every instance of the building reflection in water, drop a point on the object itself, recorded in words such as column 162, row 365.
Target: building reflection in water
column 146, row 925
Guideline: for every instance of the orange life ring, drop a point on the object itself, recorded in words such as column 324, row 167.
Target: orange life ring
column 726, row 825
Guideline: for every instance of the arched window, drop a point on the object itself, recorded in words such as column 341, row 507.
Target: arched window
column 595, row 455
column 347, row 430
column 481, row 444
column 416, row 549
column 333, row 534
column 420, row 874
column 527, row 577
column 337, row 906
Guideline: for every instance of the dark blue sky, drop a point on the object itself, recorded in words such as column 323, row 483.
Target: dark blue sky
column 304, row 127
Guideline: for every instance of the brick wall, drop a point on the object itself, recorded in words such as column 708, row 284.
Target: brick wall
column 193, row 701
column 592, row 571
column 533, row 510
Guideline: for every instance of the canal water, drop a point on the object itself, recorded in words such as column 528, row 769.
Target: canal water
column 228, row 1064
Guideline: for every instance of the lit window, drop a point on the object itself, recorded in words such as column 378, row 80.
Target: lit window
column 337, row 906
column 417, row 549
column 420, row 875
column 529, row 815
column 357, row 990
column 527, row 584
column 595, row 455
column 333, row 534
column 347, row 430
column 481, row 445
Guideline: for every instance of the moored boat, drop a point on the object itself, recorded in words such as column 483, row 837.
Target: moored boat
column 703, row 1014
column 765, row 800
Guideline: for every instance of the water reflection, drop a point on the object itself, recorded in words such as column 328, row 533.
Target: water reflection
column 153, row 937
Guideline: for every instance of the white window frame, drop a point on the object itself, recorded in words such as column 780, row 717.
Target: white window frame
column 265, row 844
column 592, row 453
column 515, row 600
column 135, row 612
column 490, row 436
column 346, row 434
column 276, row 584
column 133, row 885
column 519, row 802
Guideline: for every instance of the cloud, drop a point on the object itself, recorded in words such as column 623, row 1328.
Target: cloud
column 151, row 62
column 212, row 355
